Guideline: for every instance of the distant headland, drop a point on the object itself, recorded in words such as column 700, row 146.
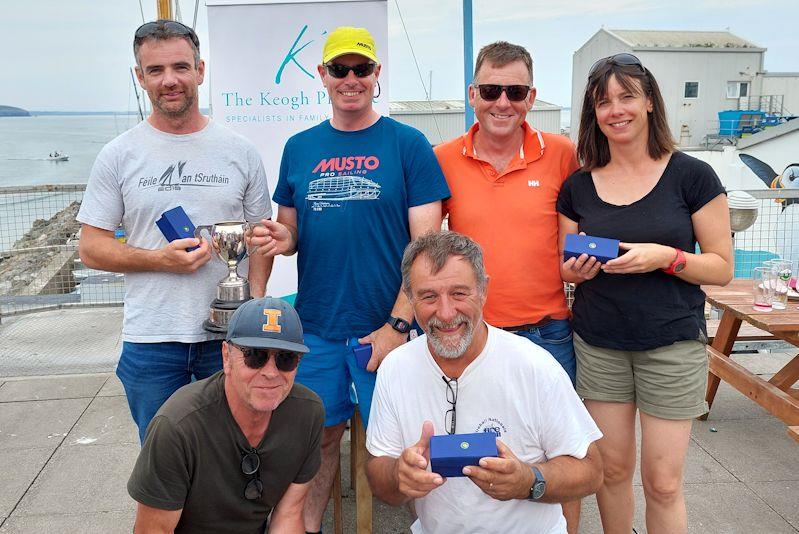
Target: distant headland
column 10, row 111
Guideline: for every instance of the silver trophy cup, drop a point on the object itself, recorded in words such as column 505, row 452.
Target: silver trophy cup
column 228, row 242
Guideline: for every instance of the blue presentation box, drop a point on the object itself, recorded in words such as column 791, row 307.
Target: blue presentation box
column 363, row 353
column 175, row 224
column 601, row 248
column 449, row 454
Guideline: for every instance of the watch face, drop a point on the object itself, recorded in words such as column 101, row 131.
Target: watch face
column 538, row 489
column 679, row 267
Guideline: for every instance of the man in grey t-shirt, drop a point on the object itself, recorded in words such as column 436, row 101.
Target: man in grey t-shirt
column 177, row 157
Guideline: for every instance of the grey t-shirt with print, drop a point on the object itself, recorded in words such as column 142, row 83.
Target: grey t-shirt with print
column 214, row 174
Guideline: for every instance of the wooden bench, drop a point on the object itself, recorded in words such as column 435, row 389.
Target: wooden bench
column 749, row 338
column 363, row 494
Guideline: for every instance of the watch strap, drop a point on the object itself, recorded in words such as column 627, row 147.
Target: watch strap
column 678, row 264
column 400, row 325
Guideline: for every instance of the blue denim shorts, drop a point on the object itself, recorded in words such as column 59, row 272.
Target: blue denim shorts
column 152, row 372
column 555, row 337
column 330, row 370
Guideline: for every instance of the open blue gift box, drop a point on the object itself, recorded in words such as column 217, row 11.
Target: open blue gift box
column 601, row 248
column 449, row 454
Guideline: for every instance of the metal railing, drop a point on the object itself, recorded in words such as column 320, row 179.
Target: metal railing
column 40, row 268
column 39, row 264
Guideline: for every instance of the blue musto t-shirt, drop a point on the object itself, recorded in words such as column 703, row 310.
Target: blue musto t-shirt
column 352, row 191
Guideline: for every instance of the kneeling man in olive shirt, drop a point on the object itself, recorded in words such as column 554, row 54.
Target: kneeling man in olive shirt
column 223, row 453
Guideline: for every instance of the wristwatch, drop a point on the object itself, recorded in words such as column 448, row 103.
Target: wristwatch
column 677, row 265
column 400, row 325
column 539, row 485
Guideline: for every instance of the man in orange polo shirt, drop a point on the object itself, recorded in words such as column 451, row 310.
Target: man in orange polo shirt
column 504, row 177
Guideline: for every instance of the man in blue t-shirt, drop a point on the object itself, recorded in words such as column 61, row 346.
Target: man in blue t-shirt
column 352, row 192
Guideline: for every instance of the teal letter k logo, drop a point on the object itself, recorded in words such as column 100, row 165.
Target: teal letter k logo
column 292, row 56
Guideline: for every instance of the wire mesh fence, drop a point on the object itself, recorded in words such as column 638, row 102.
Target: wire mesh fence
column 39, row 264
column 40, row 268
column 774, row 234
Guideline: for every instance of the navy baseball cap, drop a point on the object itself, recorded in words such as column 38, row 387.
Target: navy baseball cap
column 266, row 323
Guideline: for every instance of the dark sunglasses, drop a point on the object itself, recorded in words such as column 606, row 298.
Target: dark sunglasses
column 149, row 28
column 250, row 464
column 255, row 358
column 491, row 92
column 361, row 70
column 623, row 60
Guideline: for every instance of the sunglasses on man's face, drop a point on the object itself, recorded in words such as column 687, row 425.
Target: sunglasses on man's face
column 149, row 28
column 623, row 60
column 255, row 358
column 491, row 92
column 361, row 70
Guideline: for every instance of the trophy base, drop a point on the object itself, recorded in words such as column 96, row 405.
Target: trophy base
column 221, row 313
column 216, row 329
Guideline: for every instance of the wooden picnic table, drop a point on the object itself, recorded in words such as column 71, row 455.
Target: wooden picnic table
column 777, row 395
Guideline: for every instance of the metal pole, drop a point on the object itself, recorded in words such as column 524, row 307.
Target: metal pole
column 468, row 62
column 164, row 9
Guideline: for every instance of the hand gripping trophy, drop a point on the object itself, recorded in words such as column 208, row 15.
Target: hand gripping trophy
column 228, row 242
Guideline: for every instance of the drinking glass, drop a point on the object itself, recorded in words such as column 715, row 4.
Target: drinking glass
column 782, row 277
column 763, row 279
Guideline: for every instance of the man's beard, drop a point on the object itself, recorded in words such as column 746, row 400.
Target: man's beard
column 173, row 113
column 448, row 347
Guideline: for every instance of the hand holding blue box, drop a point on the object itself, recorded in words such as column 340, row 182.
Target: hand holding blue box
column 175, row 224
column 601, row 248
column 450, row 453
column 363, row 353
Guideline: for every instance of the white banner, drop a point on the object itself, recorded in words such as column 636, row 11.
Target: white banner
column 264, row 82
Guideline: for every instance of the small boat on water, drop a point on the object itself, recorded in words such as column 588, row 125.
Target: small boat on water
column 57, row 156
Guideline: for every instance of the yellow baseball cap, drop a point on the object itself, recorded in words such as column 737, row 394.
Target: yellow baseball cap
column 348, row 40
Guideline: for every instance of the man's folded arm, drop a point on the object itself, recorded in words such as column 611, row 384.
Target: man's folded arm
column 151, row 520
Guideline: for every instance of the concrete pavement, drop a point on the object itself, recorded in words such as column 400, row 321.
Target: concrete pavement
column 67, row 442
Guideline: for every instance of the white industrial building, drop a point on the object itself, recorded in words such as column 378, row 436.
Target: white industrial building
column 699, row 73
column 442, row 120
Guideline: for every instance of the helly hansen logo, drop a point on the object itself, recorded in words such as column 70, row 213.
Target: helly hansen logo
column 533, row 183
column 272, row 321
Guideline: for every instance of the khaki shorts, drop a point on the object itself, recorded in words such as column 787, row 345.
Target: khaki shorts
column 667, row 382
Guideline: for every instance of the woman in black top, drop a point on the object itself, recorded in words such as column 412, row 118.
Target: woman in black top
column 639, row 319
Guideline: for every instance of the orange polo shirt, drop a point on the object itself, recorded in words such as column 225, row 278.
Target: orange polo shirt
column 512, row 216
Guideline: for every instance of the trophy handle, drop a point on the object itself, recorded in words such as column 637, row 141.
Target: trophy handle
column 199, row 229
column 248, row 227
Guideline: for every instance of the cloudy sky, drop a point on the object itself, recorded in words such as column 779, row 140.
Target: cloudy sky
column 75, row 55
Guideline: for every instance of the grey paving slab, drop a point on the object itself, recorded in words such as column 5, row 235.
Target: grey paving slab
column 730, row 403
column 38, row 424
column 712, row 508
column 782, row 496
column 18, row 469
column 730, row 508
column 700, row 467
column 84, row 523
column 82, row 479
column 48, row 388
column 112, row 387
column 765, row 363
column 753, row 450
column 591, row 522
column 65, row 341
column 106, row 421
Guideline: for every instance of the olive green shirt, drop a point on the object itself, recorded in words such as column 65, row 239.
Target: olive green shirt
column 191, row 458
